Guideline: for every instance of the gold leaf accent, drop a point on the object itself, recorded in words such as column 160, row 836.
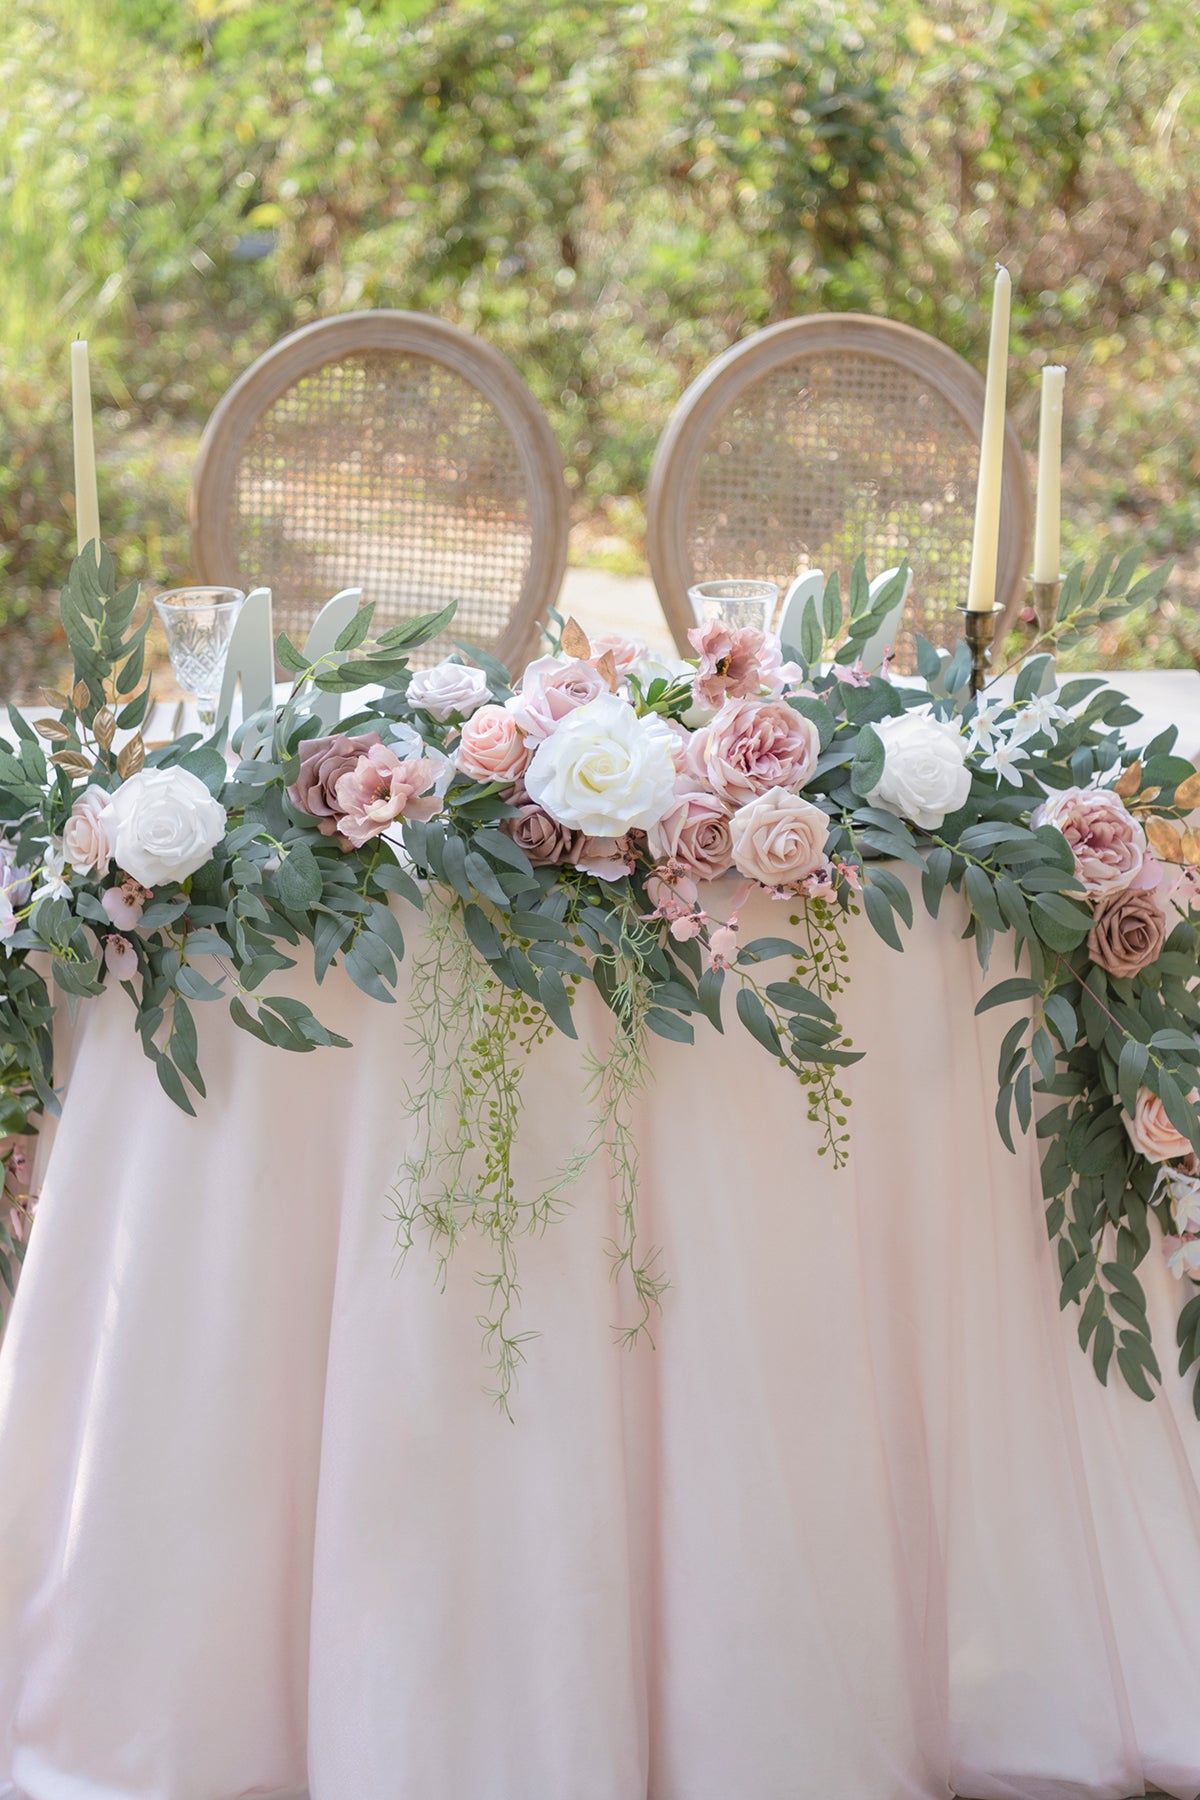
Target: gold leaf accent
column 606, row 667
column 1188, row 792
column 1164, row 840
column 1150, row 794
column 1130, row 781
column 81, row 696
column 72, row 762
column 105, row 725
column 55, row 730
column 131, row 757
column 1191, row 847
column 52, row 697
column 575, row 641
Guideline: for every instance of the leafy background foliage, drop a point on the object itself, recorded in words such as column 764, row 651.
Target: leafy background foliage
column 610, row 194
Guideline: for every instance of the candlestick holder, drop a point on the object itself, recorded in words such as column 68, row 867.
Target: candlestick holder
column 1045, row 602
column 979, row 629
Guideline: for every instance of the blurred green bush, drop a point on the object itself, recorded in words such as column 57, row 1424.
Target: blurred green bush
column 610, row 194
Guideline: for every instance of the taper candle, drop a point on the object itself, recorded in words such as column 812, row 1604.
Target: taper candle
column 1046, row 544
column 87, row 504
column 985, row 544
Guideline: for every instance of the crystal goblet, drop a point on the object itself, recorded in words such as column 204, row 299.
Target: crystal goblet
column 199, row 624
column 735, row 603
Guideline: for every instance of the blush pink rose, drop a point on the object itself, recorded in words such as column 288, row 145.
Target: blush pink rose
column 85, row 838
column 625, row 651
column 778, row 838
column 550, row 689
column 753, row 746
column 380, row 789
column 491, row 747
column 730, row 662
column 695, row 836
column 1107, row 842
column 1152, row 1133
column 542, row 838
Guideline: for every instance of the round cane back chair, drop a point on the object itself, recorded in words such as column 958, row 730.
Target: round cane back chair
column 392, row 452
column 822, row 437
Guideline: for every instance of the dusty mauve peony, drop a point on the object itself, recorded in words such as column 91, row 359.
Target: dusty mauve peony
column 605, row 771
column 730, row 662
column 925, row 774
column 1107, row 842
column 380, row 789
column 1152, row 1133
column 163, row 825
column 752, row 746
column 447, row 689
column 542, row 838
column 323, row 762
column 550, row 689
column 1129, row 931
column 491, row 747
column 778, row 838
column 85, row 841
column 694, row 835
column 608, row 859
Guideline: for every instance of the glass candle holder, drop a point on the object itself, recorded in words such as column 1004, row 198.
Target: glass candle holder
column 199, row 624
column 735, row 603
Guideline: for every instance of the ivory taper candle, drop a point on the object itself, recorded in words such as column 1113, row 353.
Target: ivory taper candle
column 985, row 544
column 1046, row 541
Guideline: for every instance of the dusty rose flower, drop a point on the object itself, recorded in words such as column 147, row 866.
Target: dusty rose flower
column 380, row 789
column 323, row 762
column 1129, row 931
column 671, row 892
column 754, row 745
column 730, row 662
column 1107, row 842
column 85, row 838
column 550, row 689
column 542, row 838
column 722, row 946
column 125, row 904
column 626, row 651
column 687, row 925
column 1150, row 1130
column 694, row 834
column 608, row 859
column 778, row 838
column 120, row 957
column 491, row 747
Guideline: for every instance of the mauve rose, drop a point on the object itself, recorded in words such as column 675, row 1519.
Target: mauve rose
column 753, row 746
column 1150, row 1130
column 85, row 838
column 778, row 838
column 550, row 689
column 323, row 762
column 380, row 789
column 695, row 835
column 729, row 666
column 1128, row 932
column 491, row 747
column 1107, row 842
column 542, row 838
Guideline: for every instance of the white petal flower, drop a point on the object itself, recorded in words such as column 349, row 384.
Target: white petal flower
column 605, row 771
column 925, row 774
column 54, row 884
column 1005, row 761
column 986, row 726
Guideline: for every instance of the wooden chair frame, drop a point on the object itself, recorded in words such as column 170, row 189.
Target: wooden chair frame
column 302, row 352
column 687, row 436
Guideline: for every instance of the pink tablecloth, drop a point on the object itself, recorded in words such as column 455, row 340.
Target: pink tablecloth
column 861, row 1524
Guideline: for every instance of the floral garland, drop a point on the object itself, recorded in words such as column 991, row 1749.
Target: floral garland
column 569, row 829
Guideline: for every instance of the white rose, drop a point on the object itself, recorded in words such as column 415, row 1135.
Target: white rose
column 925, row 773
column 605, row 771
column 163, row 825
column 450, row 687
column 85, row 840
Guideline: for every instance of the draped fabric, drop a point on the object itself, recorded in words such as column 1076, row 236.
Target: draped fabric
column 861, row 1521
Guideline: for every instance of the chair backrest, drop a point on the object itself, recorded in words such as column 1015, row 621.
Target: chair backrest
column 392, row 452
column 822, row 437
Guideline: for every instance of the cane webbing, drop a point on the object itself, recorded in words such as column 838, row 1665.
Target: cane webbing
column 390, row 472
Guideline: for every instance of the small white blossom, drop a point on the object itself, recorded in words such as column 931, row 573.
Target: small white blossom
column 1005, row 761
column 54, row 884
column 986, row 726
column 8, row 918
column 1185, row 1201
column 1043, row 714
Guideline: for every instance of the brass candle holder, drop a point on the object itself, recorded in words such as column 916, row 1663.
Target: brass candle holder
column 979, row 628
column 1045, row 602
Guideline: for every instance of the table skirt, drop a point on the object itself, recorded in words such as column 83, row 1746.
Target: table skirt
column 861, row 1522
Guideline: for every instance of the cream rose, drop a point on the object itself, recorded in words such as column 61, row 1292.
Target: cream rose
column 447, row 689
column 778, row 838
column 85, row 840
column 163, row 825
column 605, row 771
column 1150, row 1130
column 925, row 773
